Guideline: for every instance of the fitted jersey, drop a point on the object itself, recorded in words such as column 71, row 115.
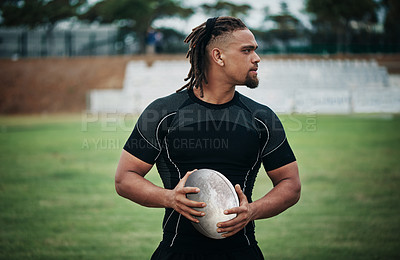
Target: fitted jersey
column 180, row 133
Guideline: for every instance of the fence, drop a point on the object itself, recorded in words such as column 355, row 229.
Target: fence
column 83, row 41
column 112, row 40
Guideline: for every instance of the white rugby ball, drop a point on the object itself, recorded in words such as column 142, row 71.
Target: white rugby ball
column 219, row 195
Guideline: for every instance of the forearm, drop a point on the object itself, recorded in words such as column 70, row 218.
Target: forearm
column 139, row 190
column 135, row 187
column 284, row 195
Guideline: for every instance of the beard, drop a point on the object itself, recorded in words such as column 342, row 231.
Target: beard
column 251, row 82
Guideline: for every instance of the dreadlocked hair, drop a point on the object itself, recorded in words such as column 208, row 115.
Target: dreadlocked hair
column 198, row 40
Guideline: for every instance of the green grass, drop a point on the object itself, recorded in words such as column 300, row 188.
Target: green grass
column 57, row 198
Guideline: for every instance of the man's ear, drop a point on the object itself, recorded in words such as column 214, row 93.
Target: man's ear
column 217, row 57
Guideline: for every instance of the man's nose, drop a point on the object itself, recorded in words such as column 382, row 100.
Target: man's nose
column 256, row 58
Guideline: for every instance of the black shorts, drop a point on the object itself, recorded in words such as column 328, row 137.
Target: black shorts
column 247, row 253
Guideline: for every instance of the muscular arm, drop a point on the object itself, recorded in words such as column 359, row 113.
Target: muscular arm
column 131, row 184
column 286, row 193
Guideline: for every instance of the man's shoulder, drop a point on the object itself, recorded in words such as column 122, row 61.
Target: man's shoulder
column 168, row 104
column 266, row 119
column 159, row 110
column 255, row 107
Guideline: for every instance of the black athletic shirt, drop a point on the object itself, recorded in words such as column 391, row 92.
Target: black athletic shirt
column 180, row 133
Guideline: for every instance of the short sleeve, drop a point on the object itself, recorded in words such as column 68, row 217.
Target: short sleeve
column 144, row 141
column 281, row 156
column 275, row 151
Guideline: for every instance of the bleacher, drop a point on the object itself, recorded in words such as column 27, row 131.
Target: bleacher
column 287, row 86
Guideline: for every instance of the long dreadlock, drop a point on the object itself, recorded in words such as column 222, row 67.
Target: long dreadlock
column 199, row 38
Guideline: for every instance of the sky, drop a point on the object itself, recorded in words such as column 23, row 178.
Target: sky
column 255, row 19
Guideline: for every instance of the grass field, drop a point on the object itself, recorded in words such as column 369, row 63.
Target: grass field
column 57, row 198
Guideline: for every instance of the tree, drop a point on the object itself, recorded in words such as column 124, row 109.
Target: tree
column 338, row 16
column 391, row 24
column 287, row 25
column 135, row 15
column 223, row 8
column 172, row 41
column 35, row 13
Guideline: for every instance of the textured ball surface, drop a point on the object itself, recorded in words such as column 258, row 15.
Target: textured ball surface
column 219, row 195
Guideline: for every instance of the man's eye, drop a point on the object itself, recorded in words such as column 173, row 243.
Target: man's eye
column 247, row 51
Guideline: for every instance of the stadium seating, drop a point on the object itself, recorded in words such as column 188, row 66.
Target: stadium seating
column 287, row 86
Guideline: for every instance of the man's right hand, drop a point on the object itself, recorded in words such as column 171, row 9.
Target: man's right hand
column 131, row 184
column 181, row 204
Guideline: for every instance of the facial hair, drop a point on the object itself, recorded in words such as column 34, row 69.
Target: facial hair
column 251, row 82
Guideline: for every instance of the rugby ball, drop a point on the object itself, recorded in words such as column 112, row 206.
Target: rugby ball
column 218, row 193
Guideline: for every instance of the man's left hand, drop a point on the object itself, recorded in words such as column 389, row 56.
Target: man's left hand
column 244, row 216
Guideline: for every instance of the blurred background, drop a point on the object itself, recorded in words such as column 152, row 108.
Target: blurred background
column 56, row 54
column 92, row 27
column 75, row 75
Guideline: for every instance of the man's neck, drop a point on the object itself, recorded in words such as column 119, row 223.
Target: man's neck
column 215, row 94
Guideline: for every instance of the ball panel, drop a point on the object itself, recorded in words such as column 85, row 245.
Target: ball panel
column 218, row 193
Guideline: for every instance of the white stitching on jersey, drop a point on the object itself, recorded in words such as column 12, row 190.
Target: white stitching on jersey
column 276, row 147
column 248, row 172
column 166, row 148
column 268, row 140
column 179, row 218
column 266, row 128
column 244, row 231
column 176, row 231
column 147, row 140
column 158, row 128
column 244, row 187
column 168, row 219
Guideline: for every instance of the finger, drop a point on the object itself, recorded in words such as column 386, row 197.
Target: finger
column 193, row 204
column 188, row 174
column 229, row 234
column 184, row 179
column 231, row 222
column 190, row 190
column 235, row 210
column 187, row 201
column 234, row 228
column 238, row 188
column 238, row 210
column 241, row 195
column 192, row 212
column 189, row 217
column 230, row 229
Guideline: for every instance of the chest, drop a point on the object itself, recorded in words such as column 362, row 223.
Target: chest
column 213, row 142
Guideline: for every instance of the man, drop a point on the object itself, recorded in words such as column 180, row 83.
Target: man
column 208, row 124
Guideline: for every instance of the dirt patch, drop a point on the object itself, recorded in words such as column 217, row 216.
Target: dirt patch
column 60, row 85
column 55, row 85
